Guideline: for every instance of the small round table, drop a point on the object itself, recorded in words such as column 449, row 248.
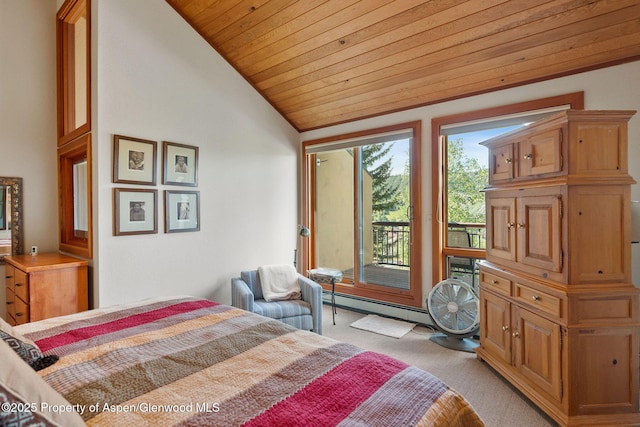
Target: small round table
column 327, row 275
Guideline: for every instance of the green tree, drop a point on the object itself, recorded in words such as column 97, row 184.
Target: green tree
column 466, row 178
column 377, row 162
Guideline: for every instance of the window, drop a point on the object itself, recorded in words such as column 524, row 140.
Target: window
column 73, row 39
column 74, row 178
column 74, row 56
column 459, row 168
column 362, row 206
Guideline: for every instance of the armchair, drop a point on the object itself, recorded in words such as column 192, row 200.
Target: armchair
column 304, row 313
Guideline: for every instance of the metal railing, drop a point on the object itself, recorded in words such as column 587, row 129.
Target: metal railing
column 477, row 234
column 391, row 243
column 391, row 240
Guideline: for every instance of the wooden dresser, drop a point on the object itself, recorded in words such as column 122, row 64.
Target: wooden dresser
column 558, row 311
column 43, row 286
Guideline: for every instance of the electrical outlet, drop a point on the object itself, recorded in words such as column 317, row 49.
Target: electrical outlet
column 34, row 250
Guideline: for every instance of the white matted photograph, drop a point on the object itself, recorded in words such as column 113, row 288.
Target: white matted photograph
column 180, row 164
column 134, row 160
column 135, row 211
column 182, row 211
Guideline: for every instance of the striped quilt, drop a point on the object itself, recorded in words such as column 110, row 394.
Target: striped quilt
column 194, row 362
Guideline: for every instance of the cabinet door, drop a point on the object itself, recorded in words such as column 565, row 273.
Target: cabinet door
column 495, row 335
column 501, row 220
column 540, row 232
column 599, row 148
column 604, row 370
column 541, row 154
column 599, row 246
column 501, row 163
column 536, row 350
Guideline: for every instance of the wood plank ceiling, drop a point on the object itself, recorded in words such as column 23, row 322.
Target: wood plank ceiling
column 324, row 62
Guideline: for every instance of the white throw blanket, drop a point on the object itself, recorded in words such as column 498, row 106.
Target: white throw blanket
column 279, row 282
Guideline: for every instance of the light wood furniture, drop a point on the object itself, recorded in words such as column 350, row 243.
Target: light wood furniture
column 558, row 311
column 45, row 285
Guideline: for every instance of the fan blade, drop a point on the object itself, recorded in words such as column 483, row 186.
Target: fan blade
column 466, row 319
column 447, row 320
column 448, row 290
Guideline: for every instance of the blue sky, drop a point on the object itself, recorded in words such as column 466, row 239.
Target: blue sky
column 471, row 142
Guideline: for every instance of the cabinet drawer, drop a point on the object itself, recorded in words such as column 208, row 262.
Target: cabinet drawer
column 496, row 283
column 21, row 311
column 540, row 300
column 11, row 307
column 21, row 284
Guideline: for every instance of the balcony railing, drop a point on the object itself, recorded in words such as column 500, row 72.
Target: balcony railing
column 477, row 236
column 391, row 243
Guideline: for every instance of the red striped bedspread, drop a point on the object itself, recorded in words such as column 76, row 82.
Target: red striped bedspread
column 194, row 362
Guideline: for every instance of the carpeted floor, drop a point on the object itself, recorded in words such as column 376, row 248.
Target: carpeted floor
column 497, row 402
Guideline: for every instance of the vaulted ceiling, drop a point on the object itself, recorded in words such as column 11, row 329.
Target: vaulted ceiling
column 324, row 62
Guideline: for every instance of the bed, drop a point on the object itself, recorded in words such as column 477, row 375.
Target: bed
column 194, row 362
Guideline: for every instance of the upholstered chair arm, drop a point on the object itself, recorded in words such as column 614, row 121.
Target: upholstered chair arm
column 241, row 295
column 312, row 293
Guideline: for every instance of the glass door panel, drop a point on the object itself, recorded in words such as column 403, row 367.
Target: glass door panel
column 334, row 200
column 384, row 214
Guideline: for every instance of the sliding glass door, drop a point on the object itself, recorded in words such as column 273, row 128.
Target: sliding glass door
column 362, row 213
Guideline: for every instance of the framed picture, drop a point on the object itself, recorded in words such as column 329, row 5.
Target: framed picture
column 134, row 160
column 182, row 211
column 135, row 211
column 180, row 164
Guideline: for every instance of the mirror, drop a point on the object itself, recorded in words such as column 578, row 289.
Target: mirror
column 11, row 233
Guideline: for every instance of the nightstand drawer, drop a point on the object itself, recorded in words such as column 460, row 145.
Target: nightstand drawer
column 11, row 306
column 21, row 284
column 540, row 300
column 19, row 311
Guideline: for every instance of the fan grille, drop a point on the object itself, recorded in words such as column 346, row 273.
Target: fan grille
column 454, row 307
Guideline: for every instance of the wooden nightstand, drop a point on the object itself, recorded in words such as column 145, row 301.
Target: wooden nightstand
column 45, row 285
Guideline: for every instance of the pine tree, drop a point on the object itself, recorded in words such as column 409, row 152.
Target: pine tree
column 377, row 162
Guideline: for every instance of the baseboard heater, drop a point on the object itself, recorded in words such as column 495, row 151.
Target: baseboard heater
column 370, row 306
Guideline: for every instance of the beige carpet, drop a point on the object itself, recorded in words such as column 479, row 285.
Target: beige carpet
column 497, row 402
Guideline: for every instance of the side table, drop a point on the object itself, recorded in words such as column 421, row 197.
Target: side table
column 327, row 275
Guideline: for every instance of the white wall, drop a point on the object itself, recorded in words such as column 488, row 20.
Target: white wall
column 610, row 88
column 28, row 116
column 158, row 79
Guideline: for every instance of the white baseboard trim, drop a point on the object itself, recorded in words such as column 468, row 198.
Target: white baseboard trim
column 369, row 306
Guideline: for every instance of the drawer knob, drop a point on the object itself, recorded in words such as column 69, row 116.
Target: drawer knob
column 9, row 302
column 521, row 225
column 494, row 282
column 508, row 161
column 510, row 225
column 516, row 334
column 527, row 156
column 536, row 298
column 8, row 277
column 505, row 328
column 19, row 314
column 18, row 284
